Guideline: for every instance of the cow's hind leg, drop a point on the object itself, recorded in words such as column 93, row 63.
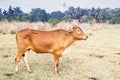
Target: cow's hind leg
column 25, row 59
column 17, row 60
column 21, row 51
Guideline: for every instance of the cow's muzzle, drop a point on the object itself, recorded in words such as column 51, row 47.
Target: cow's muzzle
column 85, row 38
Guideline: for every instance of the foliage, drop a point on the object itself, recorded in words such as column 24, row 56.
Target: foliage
column 76, row 13
column 24, row 17
column 88, row 19
column 115, row 19
column 12, row 32
column 38, row 14
column 96, row 15
column 53, row 21
column 57, row 14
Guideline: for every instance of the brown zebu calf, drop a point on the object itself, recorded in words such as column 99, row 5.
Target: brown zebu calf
column 54, row 42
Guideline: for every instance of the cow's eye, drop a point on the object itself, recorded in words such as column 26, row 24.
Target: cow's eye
column 78, row 31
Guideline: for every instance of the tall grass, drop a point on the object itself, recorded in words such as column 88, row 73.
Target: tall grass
column 13, row 27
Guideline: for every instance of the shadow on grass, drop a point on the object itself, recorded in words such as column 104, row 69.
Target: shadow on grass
column 8, row 74
column 117, row 53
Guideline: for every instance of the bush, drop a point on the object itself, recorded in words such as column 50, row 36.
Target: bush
column 90, row 34
column 53, row 21
column 3, row 33
column 12, row 32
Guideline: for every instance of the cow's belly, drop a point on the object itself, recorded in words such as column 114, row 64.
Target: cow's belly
column 42, row 49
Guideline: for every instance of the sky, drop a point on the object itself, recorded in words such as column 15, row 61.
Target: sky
column 55, row 5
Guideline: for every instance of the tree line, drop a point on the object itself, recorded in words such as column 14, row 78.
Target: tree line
column 97, row 15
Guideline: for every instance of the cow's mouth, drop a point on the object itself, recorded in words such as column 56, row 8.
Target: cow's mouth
column 85, row 38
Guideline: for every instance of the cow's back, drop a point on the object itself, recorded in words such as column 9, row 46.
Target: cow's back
column 23, row 33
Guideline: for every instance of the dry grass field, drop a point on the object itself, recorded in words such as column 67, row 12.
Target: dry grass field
column 97, row 58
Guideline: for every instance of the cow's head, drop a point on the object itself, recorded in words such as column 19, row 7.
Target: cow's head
column 77, row 33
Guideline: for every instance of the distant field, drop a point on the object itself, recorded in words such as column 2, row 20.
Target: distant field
column 97, row 58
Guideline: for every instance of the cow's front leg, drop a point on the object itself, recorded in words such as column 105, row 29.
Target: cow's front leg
column 56, row 60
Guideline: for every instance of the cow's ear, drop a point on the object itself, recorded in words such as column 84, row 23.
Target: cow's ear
column 70, row 31
column 73, row 27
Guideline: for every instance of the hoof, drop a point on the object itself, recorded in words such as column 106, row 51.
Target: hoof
column 16, row 72
column 30, row 71
column 56, row 72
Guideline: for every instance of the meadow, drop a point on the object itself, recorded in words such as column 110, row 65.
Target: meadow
column 97, row 58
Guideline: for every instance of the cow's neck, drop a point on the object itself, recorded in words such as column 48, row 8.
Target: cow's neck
column 69, row 40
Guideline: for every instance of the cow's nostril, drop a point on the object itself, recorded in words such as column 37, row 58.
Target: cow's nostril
column 86, row 37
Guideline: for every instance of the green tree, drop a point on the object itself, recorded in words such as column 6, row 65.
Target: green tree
column 76, row 13
column 38, row 14
column 5, row 14
column 10, row 14
column 10, row 11
column 24, row 17
column 115, row 16
column 17, row 13
column 57, row 14
column 95, row 13
column 1, row 15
